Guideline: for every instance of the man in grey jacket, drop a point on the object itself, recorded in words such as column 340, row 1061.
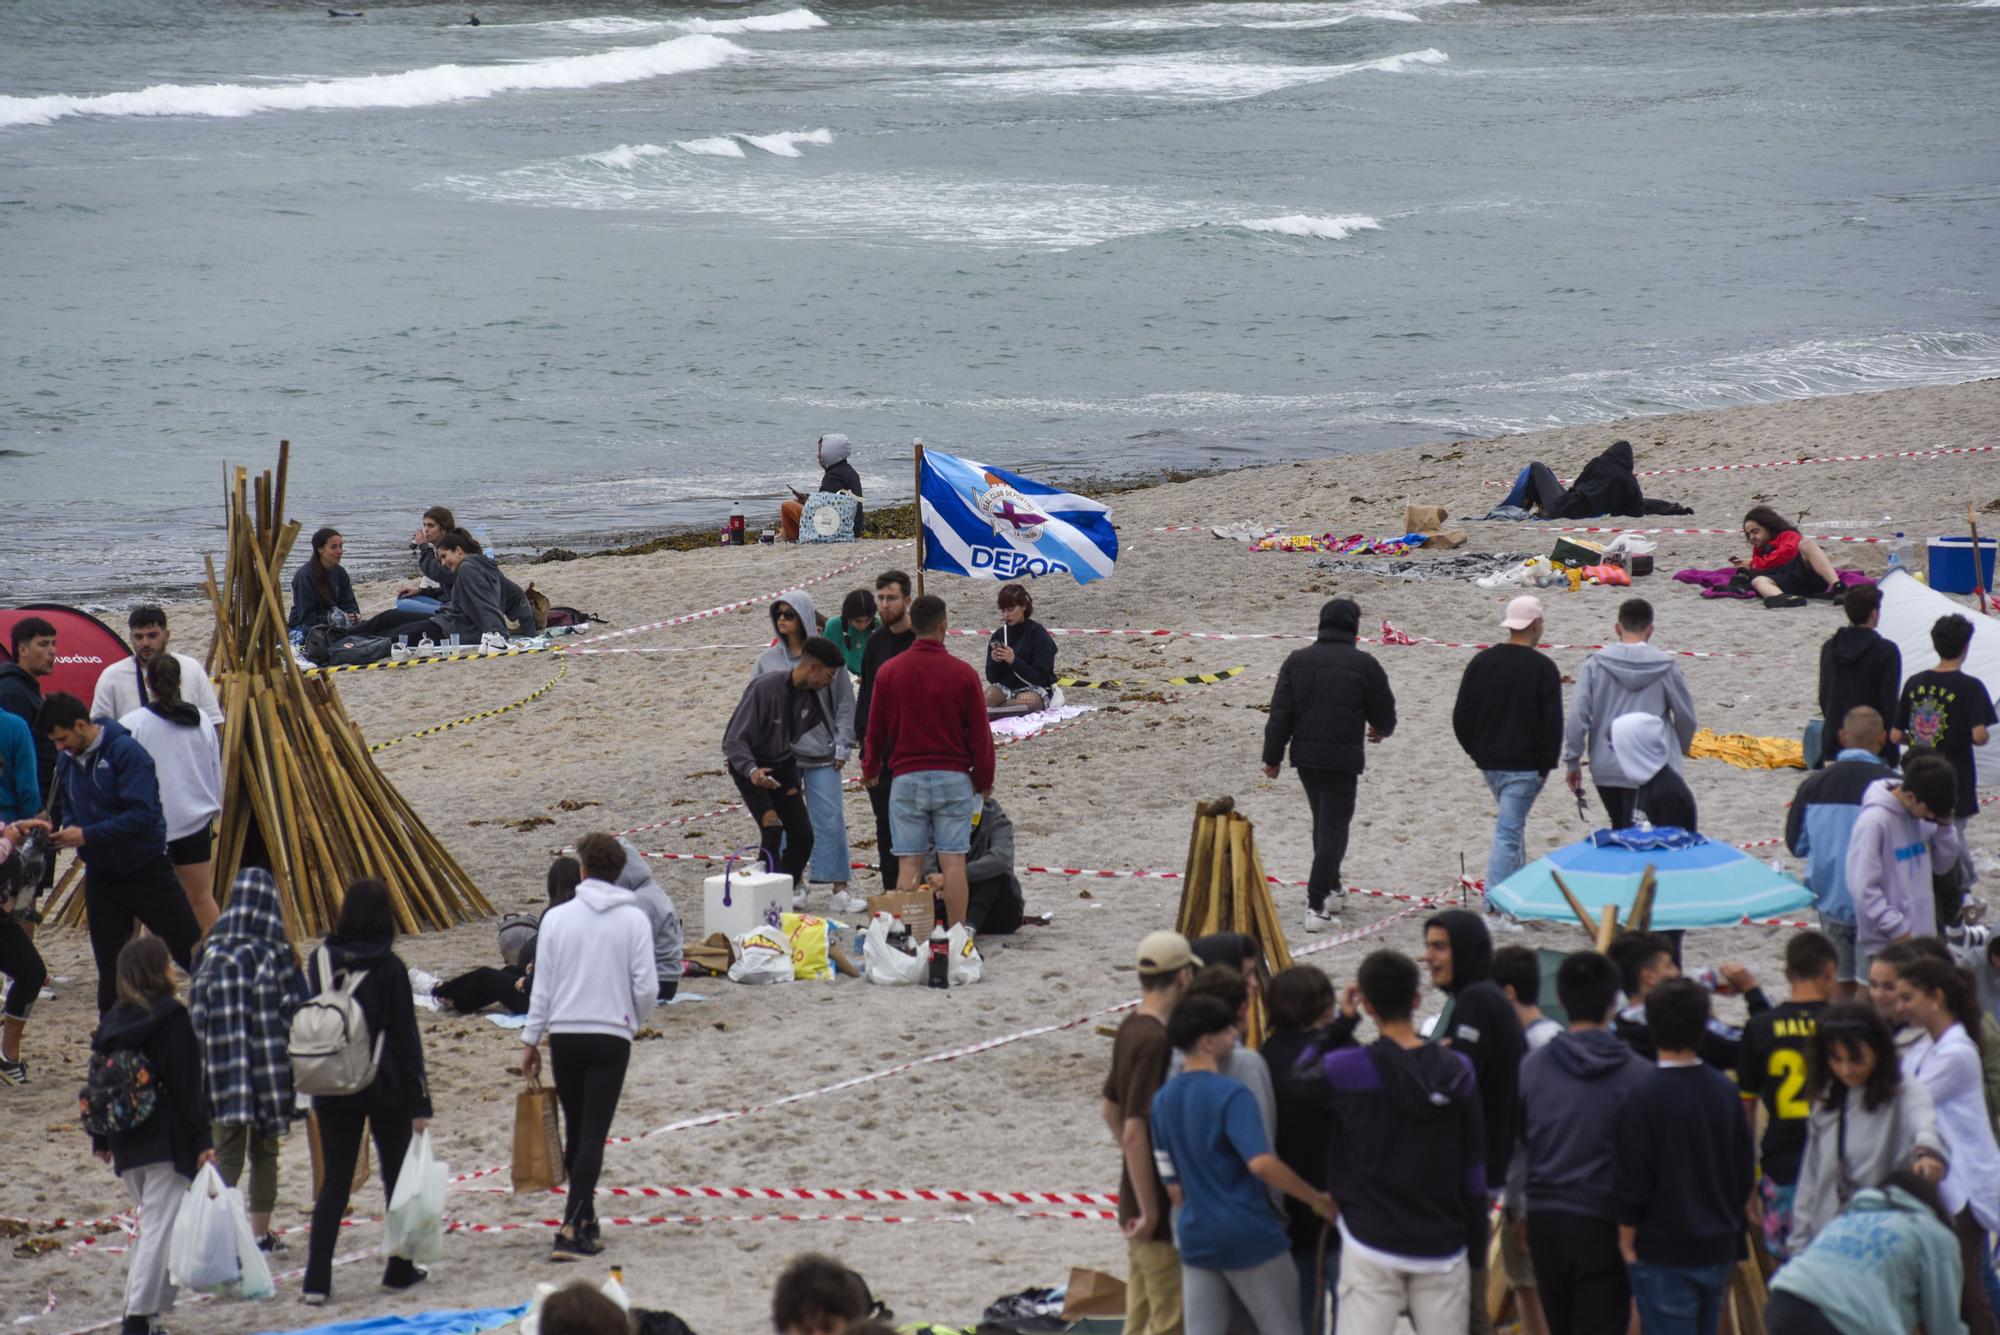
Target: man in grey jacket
column 760, row 744
column 1628, row 677
column 822, row 751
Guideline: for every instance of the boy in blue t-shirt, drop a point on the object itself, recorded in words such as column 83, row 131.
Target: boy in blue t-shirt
column 1209, row 1143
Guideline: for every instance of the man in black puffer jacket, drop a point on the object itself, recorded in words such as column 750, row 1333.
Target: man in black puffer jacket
column 1328, row 699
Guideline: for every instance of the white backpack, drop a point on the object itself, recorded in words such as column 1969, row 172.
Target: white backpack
column 331, row 1052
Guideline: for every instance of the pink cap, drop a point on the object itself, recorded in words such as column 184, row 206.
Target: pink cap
column 1523, row 612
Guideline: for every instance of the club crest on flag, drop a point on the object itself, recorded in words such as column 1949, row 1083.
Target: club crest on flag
column 1009, row 512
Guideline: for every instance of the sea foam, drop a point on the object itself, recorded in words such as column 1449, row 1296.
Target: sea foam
column 791, row 20
column 412, row 88
column 1324, row 229
column 1181, row 76
column 786, row 144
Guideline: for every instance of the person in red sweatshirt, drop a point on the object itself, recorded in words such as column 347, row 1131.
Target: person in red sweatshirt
column 1785, row 568
column 927, row 727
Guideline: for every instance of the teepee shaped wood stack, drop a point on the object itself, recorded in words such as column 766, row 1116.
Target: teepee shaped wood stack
column 297, row 777
column 1224, row 890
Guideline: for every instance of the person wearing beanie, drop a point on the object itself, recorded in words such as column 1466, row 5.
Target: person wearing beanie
column 1329, row 697
column 838, row 475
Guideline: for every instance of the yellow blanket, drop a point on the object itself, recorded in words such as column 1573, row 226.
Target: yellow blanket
column 1747, row 752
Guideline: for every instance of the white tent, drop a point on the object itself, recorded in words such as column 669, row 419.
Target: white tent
column 1909, row 608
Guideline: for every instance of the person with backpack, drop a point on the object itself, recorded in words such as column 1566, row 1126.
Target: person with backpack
column 246, row 988
column 595, row 982
column 144, row 1109
column 356, row 1050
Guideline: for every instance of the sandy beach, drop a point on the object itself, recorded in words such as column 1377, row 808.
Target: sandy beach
column 631, row 738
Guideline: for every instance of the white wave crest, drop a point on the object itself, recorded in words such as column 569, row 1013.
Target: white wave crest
column 411, row 88
column 625, row 156
column 721, row 146
column 1180, row 76
column 1324, row 229
column 791, row 20
column 608, row 26
column 786, row 144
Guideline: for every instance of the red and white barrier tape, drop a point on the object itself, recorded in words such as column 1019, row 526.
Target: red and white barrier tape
column 47, row 1308
column 648, row 1221
column 862, row 1195
column 1710, row 532
column 739, row 604
column 669, row 649
column 1800, row 463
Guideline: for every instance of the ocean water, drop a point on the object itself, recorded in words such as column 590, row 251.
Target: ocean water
column 598, row 267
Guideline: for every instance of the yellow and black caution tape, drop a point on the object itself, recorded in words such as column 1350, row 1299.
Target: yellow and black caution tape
column 530, row 698
column 466, row 657
column 1198, row 679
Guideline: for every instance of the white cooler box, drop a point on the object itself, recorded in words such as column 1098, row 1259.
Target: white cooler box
column 752, row 895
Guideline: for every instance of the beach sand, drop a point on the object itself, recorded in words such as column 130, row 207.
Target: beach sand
column 633, row 737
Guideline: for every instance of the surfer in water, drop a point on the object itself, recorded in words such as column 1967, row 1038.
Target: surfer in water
column 472, row 22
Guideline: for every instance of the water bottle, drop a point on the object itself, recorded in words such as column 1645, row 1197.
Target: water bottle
column 1898, row 544
column 940, row 945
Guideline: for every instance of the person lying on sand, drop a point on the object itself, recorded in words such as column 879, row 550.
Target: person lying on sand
column 1606, row 486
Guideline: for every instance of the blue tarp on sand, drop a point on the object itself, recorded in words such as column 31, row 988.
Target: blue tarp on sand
column 419, row 1323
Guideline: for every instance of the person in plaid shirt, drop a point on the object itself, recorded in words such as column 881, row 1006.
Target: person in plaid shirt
column 247, row 983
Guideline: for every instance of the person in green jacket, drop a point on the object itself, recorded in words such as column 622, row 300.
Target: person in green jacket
column 1888, row 1262
column 850, row 631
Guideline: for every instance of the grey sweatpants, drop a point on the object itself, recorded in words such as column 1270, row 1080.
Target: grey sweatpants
column 1268, row 1292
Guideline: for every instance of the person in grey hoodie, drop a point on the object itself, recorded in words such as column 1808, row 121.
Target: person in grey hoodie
column 1628, row 677
column 822, row 750
column 1888, row 1261
column 660, row 912
column 1571, row 1089
column 1901, row 838
column 481, row 602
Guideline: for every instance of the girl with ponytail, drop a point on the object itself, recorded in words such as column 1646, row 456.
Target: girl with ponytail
column 1939, row 998
column 187, row 757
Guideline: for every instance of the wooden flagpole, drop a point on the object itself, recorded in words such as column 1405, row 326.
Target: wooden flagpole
column 919, row 501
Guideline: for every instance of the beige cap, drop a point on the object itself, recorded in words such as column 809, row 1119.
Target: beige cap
column 1165, row 952
column 1523, row 612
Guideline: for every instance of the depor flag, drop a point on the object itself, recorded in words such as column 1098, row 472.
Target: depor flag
column 987, row 523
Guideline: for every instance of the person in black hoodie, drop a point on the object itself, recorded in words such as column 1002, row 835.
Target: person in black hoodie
column 1328, row 698
column 33, row 645
column 1409, row 1167
column 1300, row 1000
column 1606, row 486
column 1480, row 1024
column 1858, row 666
column 394, row 1107
column 893, row 634
column 1021, row 655
column 160, row 1156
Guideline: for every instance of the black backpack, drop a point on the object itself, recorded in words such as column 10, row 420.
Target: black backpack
column 120, row 1093
column 331, row 648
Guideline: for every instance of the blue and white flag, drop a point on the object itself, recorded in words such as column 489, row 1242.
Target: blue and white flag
column 988, row 523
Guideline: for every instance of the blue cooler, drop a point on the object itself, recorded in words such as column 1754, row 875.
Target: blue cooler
column 1951, row 564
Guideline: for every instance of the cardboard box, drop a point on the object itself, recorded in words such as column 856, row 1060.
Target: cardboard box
column 1572, row 552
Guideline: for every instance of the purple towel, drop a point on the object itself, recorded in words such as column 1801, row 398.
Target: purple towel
column 1717, row 583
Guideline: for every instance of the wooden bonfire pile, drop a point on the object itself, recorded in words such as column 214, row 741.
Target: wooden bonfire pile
column 297, row 777
column 1224, row 890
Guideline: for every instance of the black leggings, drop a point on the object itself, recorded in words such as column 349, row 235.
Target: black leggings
column 590, row 1075
column 340, row 1129
column 1330, row 794
column 789, row 843
column 1789, row 1314
column 476, row 989
column 20, row 961
column 414, row 625
column 114, row 901
column 878, row 798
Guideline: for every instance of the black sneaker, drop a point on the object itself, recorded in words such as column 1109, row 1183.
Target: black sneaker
column 270, row 1242
column 13, row 1073
column 591, row 1230
column 574, row 1247
column 418, row 1274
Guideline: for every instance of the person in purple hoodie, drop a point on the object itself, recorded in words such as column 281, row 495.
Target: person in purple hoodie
column 1903, row 834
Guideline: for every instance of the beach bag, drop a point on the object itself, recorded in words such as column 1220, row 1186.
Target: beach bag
column 828, row 516
column 883, row 963
column 807, row 937
column 766, row 957
column 362, row 1168
column 414, row 1228
column 538, row 1154
column 119, row 1093
column 517, row 933
column 331, row 1050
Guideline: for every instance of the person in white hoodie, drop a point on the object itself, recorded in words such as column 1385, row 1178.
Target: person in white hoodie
column 594, row 981
column 822, row 751
column 187, row 757
column 1628, row 677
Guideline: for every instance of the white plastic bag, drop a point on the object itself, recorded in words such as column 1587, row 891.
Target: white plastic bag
column 1633, row 544
column 766, row 957
column 415, row 1224
column 967, row 966
column 203, row 1253
column 255, row 1279
column 883, row 963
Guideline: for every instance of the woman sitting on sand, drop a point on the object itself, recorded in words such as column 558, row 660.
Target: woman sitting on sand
column 1785, row 568
column 1021, row 656
column 320, row 587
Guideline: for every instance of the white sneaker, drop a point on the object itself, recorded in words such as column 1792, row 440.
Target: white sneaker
column 1499, row 924
column 799, row 896
column 423, row 982
column 493, row 642
column 1319, row 920
column 844, row 902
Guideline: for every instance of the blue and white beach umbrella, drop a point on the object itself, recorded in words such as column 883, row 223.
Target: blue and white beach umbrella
column 1700, row 883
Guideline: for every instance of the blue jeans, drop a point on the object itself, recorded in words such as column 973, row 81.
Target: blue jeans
column 1679, row 1299
column 418, row 604
column 1515, row 790
column 930, row 811
column 1325, row 1287
column 830, row 854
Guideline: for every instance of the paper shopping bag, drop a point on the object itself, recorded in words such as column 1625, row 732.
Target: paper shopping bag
column 538, row 1156
column 1093, row 1293
column 319, row 1158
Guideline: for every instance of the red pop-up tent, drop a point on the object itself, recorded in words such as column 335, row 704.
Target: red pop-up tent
column 85, row 647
